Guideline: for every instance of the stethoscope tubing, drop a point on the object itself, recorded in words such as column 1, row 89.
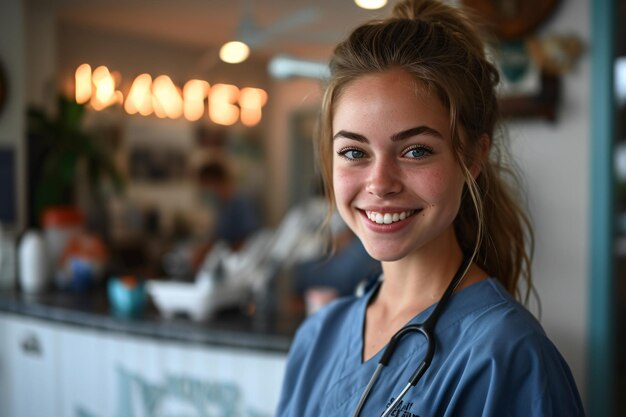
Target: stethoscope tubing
column 368, row 388
column 427, row 329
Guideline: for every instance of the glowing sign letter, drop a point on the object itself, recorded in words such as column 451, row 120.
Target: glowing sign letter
column 194, row 93
column 83, row 83
column 251, row 101
column 222, row 109
column 139, row 97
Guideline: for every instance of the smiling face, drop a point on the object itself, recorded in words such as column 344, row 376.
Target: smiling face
column 396, row 180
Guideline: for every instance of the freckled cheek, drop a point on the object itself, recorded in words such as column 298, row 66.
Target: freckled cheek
column 345, row 185
column 439, row 186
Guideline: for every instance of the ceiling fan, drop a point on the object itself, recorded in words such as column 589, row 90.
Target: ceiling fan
column 250, row 35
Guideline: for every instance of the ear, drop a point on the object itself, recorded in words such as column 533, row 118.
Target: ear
column 481, row 156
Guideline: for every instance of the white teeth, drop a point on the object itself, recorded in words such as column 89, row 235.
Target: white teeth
column 388, row 218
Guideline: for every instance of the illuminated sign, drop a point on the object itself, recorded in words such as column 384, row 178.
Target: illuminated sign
column 227, row 104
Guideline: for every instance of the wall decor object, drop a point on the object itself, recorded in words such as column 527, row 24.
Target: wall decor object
column 513, row 19
column 522, row 54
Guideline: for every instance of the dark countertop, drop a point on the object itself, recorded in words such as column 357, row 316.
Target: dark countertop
column 270, row 332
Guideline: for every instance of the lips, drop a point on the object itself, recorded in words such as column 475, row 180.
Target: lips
column 388, row 218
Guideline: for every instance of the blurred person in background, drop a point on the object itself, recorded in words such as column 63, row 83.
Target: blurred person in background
column 237, row 216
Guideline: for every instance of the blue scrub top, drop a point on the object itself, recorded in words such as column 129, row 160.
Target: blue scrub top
column 492, row 358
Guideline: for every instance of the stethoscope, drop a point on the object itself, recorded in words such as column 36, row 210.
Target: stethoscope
column 426, row 328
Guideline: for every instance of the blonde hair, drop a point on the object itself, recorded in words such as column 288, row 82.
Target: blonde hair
column 442, row 48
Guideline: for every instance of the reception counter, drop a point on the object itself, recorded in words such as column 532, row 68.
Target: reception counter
column 76, row 358
column 271, row 331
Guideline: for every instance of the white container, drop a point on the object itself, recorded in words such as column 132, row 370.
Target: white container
column 191, row 298
column 33, row 262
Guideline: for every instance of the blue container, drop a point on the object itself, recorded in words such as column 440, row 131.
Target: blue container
column 127, row 296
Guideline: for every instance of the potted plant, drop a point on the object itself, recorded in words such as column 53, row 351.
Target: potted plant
column 61, row 150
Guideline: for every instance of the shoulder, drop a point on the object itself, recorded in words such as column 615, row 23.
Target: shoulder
column 491, row 311
column 500, row 328
column 507, row 361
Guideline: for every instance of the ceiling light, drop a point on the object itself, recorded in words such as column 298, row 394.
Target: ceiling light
column 371, row 4
column 234, row 52
column 284, row 66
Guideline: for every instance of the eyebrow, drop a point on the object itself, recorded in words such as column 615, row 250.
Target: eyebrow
column 405, row 134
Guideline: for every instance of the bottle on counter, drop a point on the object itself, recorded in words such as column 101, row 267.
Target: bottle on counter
column 33, row 262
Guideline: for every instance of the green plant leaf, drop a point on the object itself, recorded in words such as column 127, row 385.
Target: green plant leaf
column 68, row 144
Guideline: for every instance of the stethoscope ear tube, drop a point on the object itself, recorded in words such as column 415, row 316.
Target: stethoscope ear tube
column 430, row 352
column 395, row 339
column 367, row 390
column 427, row 329
column 423, row 366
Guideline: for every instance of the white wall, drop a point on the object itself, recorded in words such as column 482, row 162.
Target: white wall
column 41, row 62
column 288, row 97
column 12, row 120
column 555, row 162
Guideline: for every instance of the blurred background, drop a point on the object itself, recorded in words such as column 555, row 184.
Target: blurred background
column 159, row 201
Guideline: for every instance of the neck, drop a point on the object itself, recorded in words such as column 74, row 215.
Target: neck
column 410, row 286
column 418, row 283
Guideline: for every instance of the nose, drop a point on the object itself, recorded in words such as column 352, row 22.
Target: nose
column 384, row 179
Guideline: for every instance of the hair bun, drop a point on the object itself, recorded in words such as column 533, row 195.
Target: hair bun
column 459, row 22
column 424, row 10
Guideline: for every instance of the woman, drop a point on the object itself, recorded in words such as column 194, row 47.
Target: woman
column 407, row 147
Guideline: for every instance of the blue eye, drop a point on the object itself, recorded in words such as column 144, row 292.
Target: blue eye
column 352, row 153
column 418, row 152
